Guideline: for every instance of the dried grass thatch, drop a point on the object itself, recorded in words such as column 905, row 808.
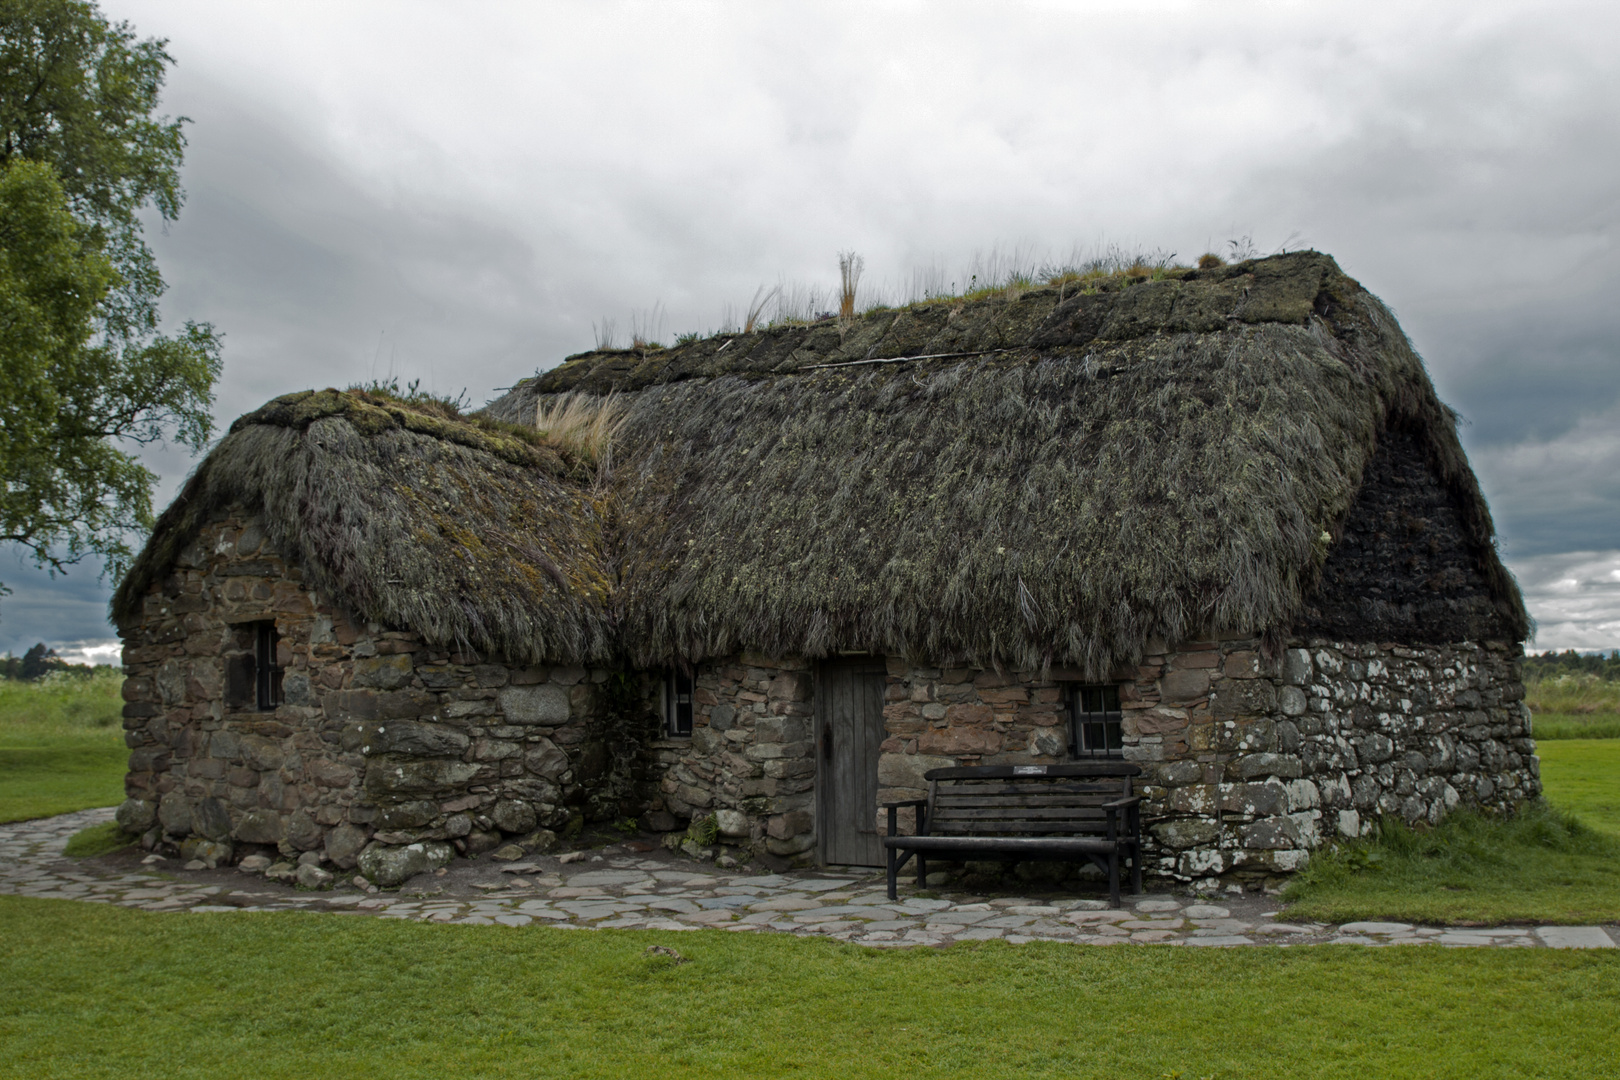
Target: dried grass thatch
column 1041, row 476
column 468, row 531
column 582, row 425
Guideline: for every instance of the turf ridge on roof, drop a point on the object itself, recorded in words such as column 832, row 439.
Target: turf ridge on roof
column 1040, row 476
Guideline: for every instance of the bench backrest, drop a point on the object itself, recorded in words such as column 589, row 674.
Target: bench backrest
column 1025, row 800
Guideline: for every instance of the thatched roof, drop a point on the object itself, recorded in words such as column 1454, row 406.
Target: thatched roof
column 1046, row 475
column 464, row 530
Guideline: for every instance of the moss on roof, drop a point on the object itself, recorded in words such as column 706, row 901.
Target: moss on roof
column 1040, row 475
column 464, row 529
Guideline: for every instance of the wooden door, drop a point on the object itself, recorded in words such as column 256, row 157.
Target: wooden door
column 849, row 737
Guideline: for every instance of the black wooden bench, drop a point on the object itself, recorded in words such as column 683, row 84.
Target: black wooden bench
column 1079, row 811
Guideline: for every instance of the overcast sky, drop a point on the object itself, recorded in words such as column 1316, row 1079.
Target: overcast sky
column 457, row 193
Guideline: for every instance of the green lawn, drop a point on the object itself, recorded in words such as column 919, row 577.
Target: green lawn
column 89, row 991
column 61, row 745
column 1583, row 777
column 1540, row 866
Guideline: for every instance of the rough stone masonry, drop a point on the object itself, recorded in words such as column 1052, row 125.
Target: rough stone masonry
column 386, row 752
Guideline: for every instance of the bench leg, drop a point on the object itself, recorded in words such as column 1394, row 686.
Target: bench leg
column 922, row 871
column 894, row 874
column 1113, row 877
column 1136, row 868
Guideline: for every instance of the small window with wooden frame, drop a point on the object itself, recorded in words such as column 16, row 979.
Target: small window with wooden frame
column 252, row 671
column 268, row 688
column 678, row 706
column 1094, row 722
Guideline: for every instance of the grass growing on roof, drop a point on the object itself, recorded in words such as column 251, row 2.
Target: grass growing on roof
column 167, row 995
column 1583, row 777
column 583, row 425
column 1542, row 865
column 61, row 744
column 457, row 527
column 1041, row 476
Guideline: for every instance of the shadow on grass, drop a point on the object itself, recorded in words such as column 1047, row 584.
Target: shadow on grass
column 1540, row 865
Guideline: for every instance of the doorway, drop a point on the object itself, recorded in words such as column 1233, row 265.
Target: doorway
column 849, row 738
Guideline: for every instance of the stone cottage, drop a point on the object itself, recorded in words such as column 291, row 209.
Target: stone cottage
column 1212, row 521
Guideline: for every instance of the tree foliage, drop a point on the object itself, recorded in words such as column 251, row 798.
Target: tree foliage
column 88, row 377
column 1549, row 665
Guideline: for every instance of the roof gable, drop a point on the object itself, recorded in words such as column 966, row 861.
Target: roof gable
column 1033, row 477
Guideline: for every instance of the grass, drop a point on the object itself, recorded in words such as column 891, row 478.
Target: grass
column 1574, row 707
column 1542, row 865
column 92, row 991
column 61, row 744
column 97, row 840
column 583, row 425
column 1583, row 777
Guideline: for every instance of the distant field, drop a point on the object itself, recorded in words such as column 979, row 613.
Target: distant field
column 61, row 744
column 1574, row 707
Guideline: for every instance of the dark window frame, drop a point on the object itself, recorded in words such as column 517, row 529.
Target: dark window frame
column 267, row 674
column 1095, row 720
column 680, row 706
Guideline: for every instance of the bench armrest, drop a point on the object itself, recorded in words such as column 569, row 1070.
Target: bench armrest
column 1120, row 804
column 894, row 815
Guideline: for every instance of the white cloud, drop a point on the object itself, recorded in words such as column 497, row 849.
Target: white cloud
column 95, row 651
column 1574, row 598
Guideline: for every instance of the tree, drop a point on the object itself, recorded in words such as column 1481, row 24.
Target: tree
column 39, row 662
column 84, row 373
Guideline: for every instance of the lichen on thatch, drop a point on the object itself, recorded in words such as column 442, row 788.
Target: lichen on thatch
column 1040, row 476
column 466, row 531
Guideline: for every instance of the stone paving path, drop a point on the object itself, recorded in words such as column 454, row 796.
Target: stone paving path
column 630, row 889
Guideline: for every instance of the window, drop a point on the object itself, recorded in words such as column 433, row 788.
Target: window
column 1094, row 717
column 252, row 676
column 267, row 673
column 678, row 704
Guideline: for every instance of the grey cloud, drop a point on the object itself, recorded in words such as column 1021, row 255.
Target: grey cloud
column 1558, row 494
column 317, row 280
column 575, row 163
column 1575, row 596
column 70, row 607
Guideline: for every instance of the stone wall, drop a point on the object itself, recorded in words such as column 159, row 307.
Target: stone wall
column 384, row 742
column 750, row 760
column 1249, row 762
column 381, row 739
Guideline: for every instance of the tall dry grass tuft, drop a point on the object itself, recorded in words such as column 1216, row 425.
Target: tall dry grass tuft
column 757, row 307
column 647, row 327
column 850, row 266
column 583, row 426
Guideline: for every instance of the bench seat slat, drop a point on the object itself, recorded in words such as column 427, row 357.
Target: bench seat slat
column 1039, row 787
column 1014, row 813
column 1014, row 828
column 1074, row 801
column 1023, row 846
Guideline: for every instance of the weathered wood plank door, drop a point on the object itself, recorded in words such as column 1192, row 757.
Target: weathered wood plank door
column 849, row 737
